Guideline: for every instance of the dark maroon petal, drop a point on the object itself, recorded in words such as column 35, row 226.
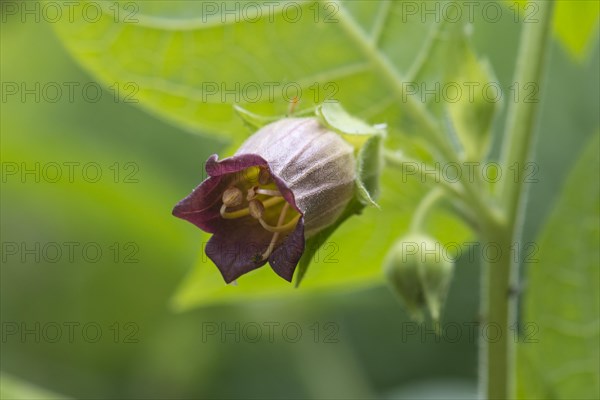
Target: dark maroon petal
column 285, row 258
column 201, row 207
column 236, row 248
column 233, row 164
column 287, row 194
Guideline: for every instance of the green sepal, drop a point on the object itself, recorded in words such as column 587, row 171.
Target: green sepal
column 354, row 130
column 255, row 121
column 367, row 141
column 369, row 166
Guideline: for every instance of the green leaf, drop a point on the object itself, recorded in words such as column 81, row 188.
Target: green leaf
column 317, row 242
column 16, row 389
column 576, row 26
column 575, row 23
column 472, row 113
column 449, row 67
column 560, row 348
column 187, row 65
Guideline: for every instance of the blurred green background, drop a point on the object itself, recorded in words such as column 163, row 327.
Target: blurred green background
column 372, row 355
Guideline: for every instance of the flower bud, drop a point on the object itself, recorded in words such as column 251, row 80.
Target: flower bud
column 418, row 272
column 289, row 181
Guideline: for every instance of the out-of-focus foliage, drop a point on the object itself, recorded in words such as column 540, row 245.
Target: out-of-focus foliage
column 559, row 355
column 576, row 26
column 472, row 115
column 375, row 357
column 15, row 389
column 575, row 23
column 185, row 59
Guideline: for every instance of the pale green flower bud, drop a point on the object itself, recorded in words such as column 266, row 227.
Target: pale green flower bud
column 419, row 273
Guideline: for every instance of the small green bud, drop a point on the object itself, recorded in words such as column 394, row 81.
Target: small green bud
column 417, row 270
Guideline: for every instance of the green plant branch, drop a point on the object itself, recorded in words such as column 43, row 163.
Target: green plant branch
column 425, row 206
column 485, row 216
column 521, row 117
column 388, row 71
column 382, row 16
column 498, row 306
column 393, row 158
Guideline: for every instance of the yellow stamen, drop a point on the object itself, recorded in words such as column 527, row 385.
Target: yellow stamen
column 278, row 228
column 267, row 192
column 246, row 211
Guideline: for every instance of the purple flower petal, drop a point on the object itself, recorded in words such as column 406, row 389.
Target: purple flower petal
column 201, row 207
column 237, row 247
column 286, row 257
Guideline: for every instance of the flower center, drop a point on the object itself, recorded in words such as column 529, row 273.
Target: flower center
column 254, row 193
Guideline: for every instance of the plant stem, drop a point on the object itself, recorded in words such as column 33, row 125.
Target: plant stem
column 410, row 166
column 522, row 114
column 425, row 206
column 497, row 357
column 464, row 191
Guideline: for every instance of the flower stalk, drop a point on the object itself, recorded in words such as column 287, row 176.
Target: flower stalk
column 498, row 306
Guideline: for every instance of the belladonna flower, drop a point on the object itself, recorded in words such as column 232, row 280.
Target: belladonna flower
column 287, row 182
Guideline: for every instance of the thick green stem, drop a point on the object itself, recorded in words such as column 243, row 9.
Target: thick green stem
column 496, row 356
column 500, row 276
column 522, row 113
